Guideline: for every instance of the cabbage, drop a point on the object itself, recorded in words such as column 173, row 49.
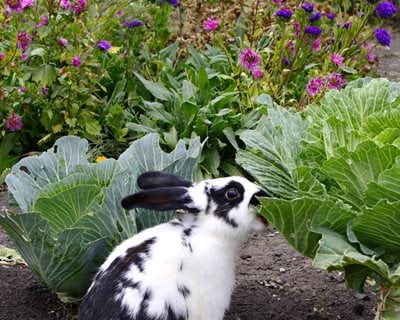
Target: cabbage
column 335, row 169
column 71, row 215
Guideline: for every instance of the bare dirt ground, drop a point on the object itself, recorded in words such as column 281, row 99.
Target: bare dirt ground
column 273, row 281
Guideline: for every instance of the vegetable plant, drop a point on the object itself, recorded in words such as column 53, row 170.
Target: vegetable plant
column 70, row 208
column 335, row 169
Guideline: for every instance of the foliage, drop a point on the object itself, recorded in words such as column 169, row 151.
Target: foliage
column 59, row 78
column 335, row 168
column 71, row 216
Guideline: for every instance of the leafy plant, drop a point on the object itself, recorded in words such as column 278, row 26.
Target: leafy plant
column 196, row 97
column 71, row 214
column 336, row 170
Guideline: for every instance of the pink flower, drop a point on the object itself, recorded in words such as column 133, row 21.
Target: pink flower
column 76, row 61
column 24, row 40
column 63, row 42
column 335, row 80
column 44, row 90
column 296, row 26
column 2, row 55
column 257, row 73
column 371, row 56
column 23, row 56
column 337, row 59
column 42, row 23
column 22, row 89
column 65, row 4
column 291, row 45
column 14, row 122
column 210, row 24
column 316, row 45
column 249, row 59
column 78, row 6
column 315, row 85
column 119, row 13
column 17, row 5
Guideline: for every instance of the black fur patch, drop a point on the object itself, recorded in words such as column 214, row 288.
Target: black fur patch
column 185, row 242
column 100, row 302
column 184, row 291
column 224, row 204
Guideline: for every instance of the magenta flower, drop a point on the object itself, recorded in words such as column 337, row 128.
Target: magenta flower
column 76, row 61
column 22, row 89
column 315, row 85
column 42, row 23
column 18, row 5
column 2, row 55
column 104, row 45
column 335, row 80
column 44, row 90
column 316, row 45
column 210, row 24
column 78, row 6
column 119, row 13
column 24, row 40
column 337, row 59
column 249, row 59
column 23, row 56
column 65, row 4
column 63, row 42
column 14, row 122
column 296, row 26
column 257, row 73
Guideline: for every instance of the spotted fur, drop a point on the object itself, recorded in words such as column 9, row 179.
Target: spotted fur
column 183, row 269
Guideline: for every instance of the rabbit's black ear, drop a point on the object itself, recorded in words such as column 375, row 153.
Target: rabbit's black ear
column 161, row 199
column 157, row 179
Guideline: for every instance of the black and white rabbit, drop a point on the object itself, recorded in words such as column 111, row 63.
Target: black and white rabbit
column 182, row 269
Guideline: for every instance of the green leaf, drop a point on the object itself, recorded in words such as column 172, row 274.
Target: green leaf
column 45, row 75
column 354, row 170
column 188, row 90
column 298, row 220
column 379, row 226
column 156, row 89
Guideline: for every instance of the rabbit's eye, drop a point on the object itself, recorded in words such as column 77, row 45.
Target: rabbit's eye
column 231, row 194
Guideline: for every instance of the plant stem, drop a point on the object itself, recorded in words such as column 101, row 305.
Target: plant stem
column 388, row 307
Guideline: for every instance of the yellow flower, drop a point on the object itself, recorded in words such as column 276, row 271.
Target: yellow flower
column 100, row 159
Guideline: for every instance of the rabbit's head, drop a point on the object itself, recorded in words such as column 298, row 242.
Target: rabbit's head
column 228, row 203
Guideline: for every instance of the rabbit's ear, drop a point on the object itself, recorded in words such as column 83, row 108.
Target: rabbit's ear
column 156, row 179
column 161, row 199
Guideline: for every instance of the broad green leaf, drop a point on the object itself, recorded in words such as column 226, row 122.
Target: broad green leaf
column 188, row 90
column 29, row 176
column 298, row 220
column 379, row 226
column 156, row 89
column 354, row 170
column 45, row 75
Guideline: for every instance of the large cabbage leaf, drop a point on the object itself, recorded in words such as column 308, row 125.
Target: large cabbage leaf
column 335, row 170
column 71, row 215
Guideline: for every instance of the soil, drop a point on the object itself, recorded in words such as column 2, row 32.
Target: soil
column 273, row 281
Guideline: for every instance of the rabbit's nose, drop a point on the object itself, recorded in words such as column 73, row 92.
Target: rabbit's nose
column 254, row 201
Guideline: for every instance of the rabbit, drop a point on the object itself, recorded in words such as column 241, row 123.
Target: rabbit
column 182, row 269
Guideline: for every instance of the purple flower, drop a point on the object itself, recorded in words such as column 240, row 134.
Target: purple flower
column 257, row 73
column 316, row 45
column 330, row 16
column 78, row 6
column 285, row 61
column 174, row 3
column 284, row 13
column 385, row 10
column 2, row 55
column 44, row 90
column 336, row 59
column 42, row 23
column 14, row 122
column 63, row 42
column 335, row 80
column 316, row 16
column 65, row 4
column 249, row 59
column 313, row 30
column 119, row 13
column 382, row 36
column 104, row 45
column 22, row 89
column 308, row 7
column 315, row 85
column 76, row 61
column 210, row 24
column 347, row 25
column 18, row 5
column 24, row 40
column 132, row 23
column 23, row 56
column 296, row 26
